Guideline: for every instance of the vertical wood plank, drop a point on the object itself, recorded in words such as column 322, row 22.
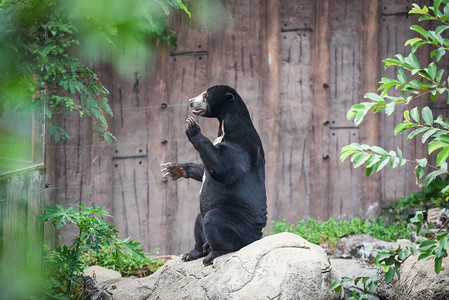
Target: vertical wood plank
column 369, row 132
column 295, row 112
column 394, row 31
column 320, row 75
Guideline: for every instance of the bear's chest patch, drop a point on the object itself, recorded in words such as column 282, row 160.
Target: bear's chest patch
column 202, row 182
column 219, row 139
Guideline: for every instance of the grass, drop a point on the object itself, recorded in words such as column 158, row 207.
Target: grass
column 331, row 231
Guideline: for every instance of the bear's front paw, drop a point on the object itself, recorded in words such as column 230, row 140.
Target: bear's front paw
column 192, row 127
column 173, row 171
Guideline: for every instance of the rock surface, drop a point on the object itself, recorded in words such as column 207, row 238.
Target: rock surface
column 353, row 268
column 418, row 281
column 281, row 266
column 101, row 274
column 362, row 246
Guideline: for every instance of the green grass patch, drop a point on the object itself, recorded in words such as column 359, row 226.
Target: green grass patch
column 331, row 231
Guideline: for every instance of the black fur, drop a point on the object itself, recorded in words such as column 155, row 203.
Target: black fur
column 233, row 208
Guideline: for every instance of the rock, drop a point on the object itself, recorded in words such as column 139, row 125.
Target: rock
column 362, row 246
column 418, row 281
column 442, row 220
column 281, row 266
column 95, row 290
column 101, row 274
column 353, row 268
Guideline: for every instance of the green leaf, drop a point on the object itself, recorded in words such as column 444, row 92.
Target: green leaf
column 427, row 245
column 419, row 172
column 401, row 127
column 435, row 145
column 416, row 132
column 420, row 30
column 373, row 96
column 407, row 115
column 446, row 11
column 415, row 114
column 438, row 264
column 427, row 115
column 428, row 134
column 439, row 76
column 374, row 158
column 361, row 159
column 389, row 275
column 438, row 53
column 413, row 61
column 389, row 109
column 345, row 155
column 431, row 177
column 402, row 76
column 369, row 171
column 436, row 8
column 382, row 163
column 413, row 41
column 432, row 70
column 442, row 156
column 417, row 45
column 378, row 150
column 390, row 62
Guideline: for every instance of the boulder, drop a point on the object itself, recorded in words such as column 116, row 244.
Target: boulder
column 418, row 281
column 281, row 266
column 353, row 268
column 362, row 246
column 101, row 274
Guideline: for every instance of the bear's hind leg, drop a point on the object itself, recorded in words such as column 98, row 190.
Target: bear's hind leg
column 214, row 254
column 200, row 242
column 221, row 234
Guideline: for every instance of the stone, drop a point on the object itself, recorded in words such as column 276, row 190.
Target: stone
column 101, row 274
column 353, row 268
column 362, row 246
column 280, row 266
column 418, row 281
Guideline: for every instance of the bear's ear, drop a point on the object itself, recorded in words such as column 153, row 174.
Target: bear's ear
column 230, row 96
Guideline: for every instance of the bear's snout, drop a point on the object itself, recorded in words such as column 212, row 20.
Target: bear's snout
column 198, row 104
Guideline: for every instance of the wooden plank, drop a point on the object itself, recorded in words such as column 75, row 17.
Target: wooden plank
column 130, row 192
column 295, row 113
column 369, row 132
column 68, row 164
column 344, row 89
column 346, row 189
column 394, row 31
column 266, row 119
column 320, row 75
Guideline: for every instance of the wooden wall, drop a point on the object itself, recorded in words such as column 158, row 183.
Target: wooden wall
column 299, row 65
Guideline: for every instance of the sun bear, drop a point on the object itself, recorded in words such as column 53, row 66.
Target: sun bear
column 233, row 209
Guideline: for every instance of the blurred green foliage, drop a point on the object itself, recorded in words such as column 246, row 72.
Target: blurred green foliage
column 65, row 265
column 45, row 46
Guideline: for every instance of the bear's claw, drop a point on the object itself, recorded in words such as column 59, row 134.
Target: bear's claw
column 173, row 171
column 192, row 127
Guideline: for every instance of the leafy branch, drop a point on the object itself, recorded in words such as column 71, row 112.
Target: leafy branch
column 43, row 43
column 421, row 81
column 94, row 234
column 413, row 81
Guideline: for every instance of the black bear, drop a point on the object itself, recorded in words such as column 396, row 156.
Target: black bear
column 233, row 209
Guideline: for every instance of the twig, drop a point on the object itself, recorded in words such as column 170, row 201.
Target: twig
column 444, row 225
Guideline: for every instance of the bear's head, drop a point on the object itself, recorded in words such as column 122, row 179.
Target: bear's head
column 215, row 102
